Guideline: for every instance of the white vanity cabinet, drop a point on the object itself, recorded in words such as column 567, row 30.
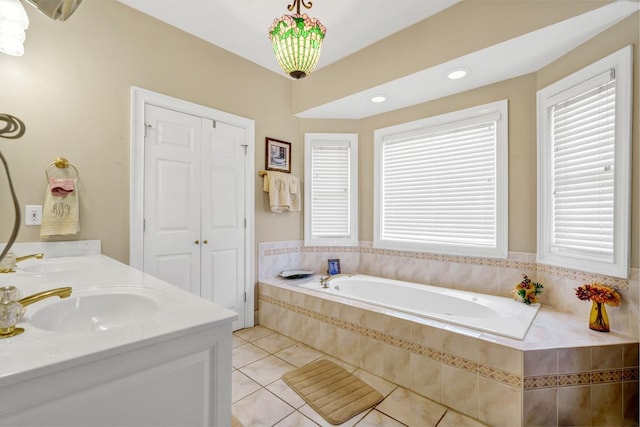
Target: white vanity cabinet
column 168, row 368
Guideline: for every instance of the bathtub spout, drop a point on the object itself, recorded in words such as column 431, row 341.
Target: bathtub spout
column 324, row 281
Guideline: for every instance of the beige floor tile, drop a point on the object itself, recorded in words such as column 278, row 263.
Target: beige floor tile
column 254, row 333
column 284, row 392
column 274, row 343
column 237, row 342
column 299, row 354
column 260, row 409
column 378, row 419
column 296, row 420
column 309, row 412
column 246, row 354
column 411, row 408
column 455, row 419
column 381, row 385
column 242, row 386
column 235, row 422
column 267, row 370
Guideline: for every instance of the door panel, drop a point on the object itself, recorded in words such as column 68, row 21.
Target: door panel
column 223, row 215
column 172, row 197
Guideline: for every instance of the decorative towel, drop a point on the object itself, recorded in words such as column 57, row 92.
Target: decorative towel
column 61, row 211
column 284, row 191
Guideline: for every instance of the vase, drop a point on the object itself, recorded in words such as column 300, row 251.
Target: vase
column 598, row 319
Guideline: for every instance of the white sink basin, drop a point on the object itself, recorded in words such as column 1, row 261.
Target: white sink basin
column 91, row 313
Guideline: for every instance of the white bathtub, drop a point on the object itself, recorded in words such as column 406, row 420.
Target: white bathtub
column 487, row 313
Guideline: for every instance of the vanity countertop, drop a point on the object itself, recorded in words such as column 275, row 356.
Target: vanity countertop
column 38, row 351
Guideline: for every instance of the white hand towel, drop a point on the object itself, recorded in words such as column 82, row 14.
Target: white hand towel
column 284, row 191
column 61, row 211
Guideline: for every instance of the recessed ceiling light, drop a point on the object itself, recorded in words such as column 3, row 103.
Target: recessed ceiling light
column 458, row 73
column 378, row 99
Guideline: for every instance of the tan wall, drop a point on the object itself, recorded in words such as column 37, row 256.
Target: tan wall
column 72, row 90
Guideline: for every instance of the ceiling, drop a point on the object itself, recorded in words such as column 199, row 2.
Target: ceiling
column 240, row 26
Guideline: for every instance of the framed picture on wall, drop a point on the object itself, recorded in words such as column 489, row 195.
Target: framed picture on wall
column 278, row 155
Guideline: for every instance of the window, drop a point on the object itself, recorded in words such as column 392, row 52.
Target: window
column 584, row 152
column 331, row 195
column 441, row 183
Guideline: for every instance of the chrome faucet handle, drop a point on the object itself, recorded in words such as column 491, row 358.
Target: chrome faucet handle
column 324, row 281
column 11, row 312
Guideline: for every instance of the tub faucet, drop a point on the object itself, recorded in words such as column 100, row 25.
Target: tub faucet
column 324, row 281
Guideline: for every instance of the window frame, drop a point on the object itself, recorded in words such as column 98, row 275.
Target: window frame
column 311, row 139
column 621, row 62
column 452, row 120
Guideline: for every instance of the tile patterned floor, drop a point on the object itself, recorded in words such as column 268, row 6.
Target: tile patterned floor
column 261, row 398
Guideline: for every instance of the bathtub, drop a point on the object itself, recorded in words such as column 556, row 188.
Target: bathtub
column 486, row 313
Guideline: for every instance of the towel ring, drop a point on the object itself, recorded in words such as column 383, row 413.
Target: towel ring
column 61, row 163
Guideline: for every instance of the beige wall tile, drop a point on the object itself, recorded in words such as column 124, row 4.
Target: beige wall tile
column 540, row 407
column 500, row 357
column 460, row 390
column 499, row 404
column 606, row 357
column 396, row 327
column 312, row 330
column 349, row 313
column 540, row 362
column 372, row 320
column 372, row 356
column 572, row 360
column 574, row 406
column 426, row 377
column 630, row 355
column 427, row 336
column 349, row 347
column 460, row 345
column 606, row 404
column 397, row 365
column 630, row 413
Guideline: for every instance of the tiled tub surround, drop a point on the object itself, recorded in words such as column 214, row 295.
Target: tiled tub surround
column 562, row 373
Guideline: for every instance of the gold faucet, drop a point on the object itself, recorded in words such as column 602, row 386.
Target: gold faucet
column 58, row 292
column 12, row 310
column 324, row 281
column 9, row 262
column 22, row 258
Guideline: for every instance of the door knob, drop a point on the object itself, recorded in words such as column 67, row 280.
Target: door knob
column 197, row 242
column 206, row 242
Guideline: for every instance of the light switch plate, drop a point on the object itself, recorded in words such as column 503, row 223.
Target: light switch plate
column 33, row 215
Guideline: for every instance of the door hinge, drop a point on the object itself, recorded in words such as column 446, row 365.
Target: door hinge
column 245, row 223
column 144, row 225
column 146, row 126
column 245, row 148
column 213, row 123
column 245, row 297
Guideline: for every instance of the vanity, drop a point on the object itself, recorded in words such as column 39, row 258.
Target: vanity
column 123, row 349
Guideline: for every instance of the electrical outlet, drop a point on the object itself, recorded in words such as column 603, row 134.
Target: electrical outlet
column 33, row 215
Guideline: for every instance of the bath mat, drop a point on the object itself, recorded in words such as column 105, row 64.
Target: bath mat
column 333, row 392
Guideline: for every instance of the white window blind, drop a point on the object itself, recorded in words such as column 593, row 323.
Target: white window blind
column 331, row 189
column 584, row 168
column 583, row 153
column 442, row 187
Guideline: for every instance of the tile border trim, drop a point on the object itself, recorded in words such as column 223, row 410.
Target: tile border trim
column 582, row 378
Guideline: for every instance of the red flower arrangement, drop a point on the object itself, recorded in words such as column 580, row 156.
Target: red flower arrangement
column 603, row 294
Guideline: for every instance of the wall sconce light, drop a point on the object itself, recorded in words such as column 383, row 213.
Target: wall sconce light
column 13, row 22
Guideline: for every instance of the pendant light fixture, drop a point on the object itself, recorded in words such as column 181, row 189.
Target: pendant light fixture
column 13, row 22
column 297, row 40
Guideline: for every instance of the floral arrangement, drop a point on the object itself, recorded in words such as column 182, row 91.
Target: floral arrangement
column 527, row 291
column 599, row 293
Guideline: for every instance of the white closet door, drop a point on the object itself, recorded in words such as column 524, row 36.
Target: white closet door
column 173, row 150
column 223, row 218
